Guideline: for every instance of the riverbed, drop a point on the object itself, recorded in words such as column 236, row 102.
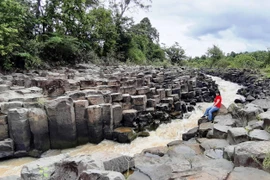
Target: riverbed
column 163, row 135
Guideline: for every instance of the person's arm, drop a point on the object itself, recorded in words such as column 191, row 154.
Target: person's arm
column 215, row 103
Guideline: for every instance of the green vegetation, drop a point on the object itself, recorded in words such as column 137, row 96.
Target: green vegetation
column 216, row 58
column 34, row 34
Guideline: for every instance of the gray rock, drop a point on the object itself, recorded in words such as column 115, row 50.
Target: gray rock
column 220, row 131
column 214, row 144
column 138, row 175
column 265, row 117
column 3, row 127
column 41, row 169
column 190, row 134
column 129, row 117
column 124, row 134
column 214, row 153
column 117, row 115
column 164, row 171
column 204, row 128
column 61, row 119
column 95, row 124
column 4, row 87
column 229, row 152
column 226, row 120
column 259, row 135
column 248, row 153
column 39, row 128
column 114, row 162
column 237, row 135
column 81, row 122
column 247, row 173
column 100, row 175
column 255, row 124
column 107, row 116
column 10, row 105
column 116, row 97
column 263, row 103
column 95, row 99
column 19, row 128
column 249, row 112
column 6, row 148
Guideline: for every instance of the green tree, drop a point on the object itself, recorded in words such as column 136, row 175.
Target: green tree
column 215, row 54
column 176, row 53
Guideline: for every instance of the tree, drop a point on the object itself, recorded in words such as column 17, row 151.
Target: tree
column 215, row 54
column 175, row 53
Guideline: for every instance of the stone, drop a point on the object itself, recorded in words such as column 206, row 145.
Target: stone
column 245, row 173
column 10, row 105
column 93, row 174
column 190, row 134
column 61, row 117
column 12, row 177
column 214, row 144
column 259, row 135
column 39, row 129
column 124, row 134
column 249, row 153
column 220, row 131
column 117, row 115
column 249, row 112
column 36, row 169
column 19, row 129
column 164, row 171
column 128, row 90
column 6, row 148
column 4, row 87
column 151, row 103
column 229, row 152
column 142, row 90
column 265, row 117
column 86, row 84
column 204, row 128
column 3, row 127
column 114, row 162
column 95, row 99
column 95, row 124
column 237, row 135
column 75, row 96
column 80, row 120
column 226, row 120
column 139, row 100
column 129, row 117
column 138, row 175
column 116, row 97
column 255, row 124
column 214, row 153
column 107, row 116
column 55, row 87
column 263, row 103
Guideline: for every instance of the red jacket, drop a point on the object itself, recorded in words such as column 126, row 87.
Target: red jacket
column 218, row 105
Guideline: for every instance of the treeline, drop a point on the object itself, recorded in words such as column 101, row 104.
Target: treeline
column 216, row 58
column 61, row 32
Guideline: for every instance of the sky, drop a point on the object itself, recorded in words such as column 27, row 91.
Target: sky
column 232, row 25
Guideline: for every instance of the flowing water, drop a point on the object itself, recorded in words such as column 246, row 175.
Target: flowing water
column 163, row 135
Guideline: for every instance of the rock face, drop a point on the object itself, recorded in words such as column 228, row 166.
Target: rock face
column 61, row 118
column 19, row 129
column 95, row 124
column 81, row 122
column 239, row 173
column 97, row 174
column 39, row 129
column 6, row 148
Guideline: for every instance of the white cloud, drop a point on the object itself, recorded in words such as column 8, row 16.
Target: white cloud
column 241, row 25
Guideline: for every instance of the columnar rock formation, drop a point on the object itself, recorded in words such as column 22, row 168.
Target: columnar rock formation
column 59, row 109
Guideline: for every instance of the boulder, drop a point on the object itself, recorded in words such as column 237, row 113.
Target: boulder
column 39, row 129
column 56, row 87
column 5, row 106
column 229, row 152
column 81, row 122
column 248, row 113
column 226, row 120
column 116, row 97
column 117, row 115
column 19, row 129
column 237, row 135
column 263, row 103
column 124, row 134
column 94, row 174
column 114, row 162
column 107, row 116
column 190, row 134
column 259, row 135
column 129, row 117
column 204, row 128
column 220, row 131
column 62, row 124
column 3, row 127
column 164, row 172
column 6, row 148
column 245, row 173
column 95, row 99
column 41, row 169
column 214, row 153
column 214, row 144
column 95, row 124
column 265, row 117
column 251, row 153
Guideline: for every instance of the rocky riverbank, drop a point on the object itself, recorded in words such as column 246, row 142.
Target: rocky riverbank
column 66, row 107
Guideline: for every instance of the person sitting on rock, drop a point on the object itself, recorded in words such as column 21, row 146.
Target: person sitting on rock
column 216, row 106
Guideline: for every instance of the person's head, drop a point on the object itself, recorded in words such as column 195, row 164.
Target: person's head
column 217, row 93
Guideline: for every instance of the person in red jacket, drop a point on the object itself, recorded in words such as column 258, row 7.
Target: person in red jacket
column 216, row 106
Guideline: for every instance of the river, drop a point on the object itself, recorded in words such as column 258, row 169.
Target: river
column 163, row 135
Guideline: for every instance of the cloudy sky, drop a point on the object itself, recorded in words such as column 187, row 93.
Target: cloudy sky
column 233, row 25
